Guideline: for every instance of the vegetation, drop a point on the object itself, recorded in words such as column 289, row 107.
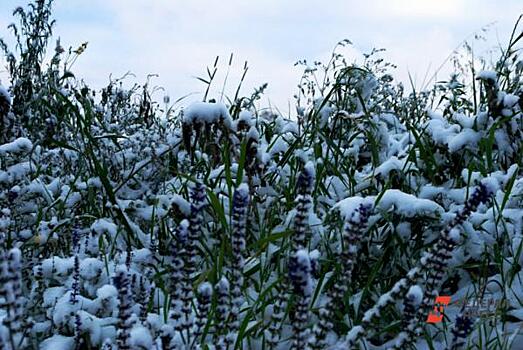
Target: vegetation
column 128, row 224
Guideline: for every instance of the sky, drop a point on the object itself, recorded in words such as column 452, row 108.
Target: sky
column 178, row 39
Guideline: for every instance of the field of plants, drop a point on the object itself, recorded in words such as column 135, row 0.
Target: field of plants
column 126, row 223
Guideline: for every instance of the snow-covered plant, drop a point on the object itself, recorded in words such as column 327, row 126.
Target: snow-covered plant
column 432, row 264
column 6, row 117
column 131, row 223
column 195, row 223
column 180, row 282
column 204, row 306
column 76, row 281
column 438, row 258
column 353, row 231
column 121, row 282
column 14, row 302
column 436, row 262
column 304, row 187
column 239, row 229
column 206, row 126
column 223, row 307
column 411, row 303
column 273, row 333
column 300, row 277
column 460, row 331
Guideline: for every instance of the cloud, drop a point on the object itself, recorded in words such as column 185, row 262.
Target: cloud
column 412, row 9
column 178, row 39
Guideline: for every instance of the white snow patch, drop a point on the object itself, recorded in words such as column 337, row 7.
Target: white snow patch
column 488, row 75
column 467, row 137
column 202, row 112
column 455, row 235
column 407, row 204
column 510, row 100
column 415, row 294
column 101, row 226
column 107, row 291
column 393, row 163
column 291, row 127
column 309, row 168
column 140, row 338
column 243, row 189
column 58, row 342
column 347, row 206
column 20, row 145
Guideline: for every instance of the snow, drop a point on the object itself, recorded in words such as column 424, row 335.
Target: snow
column 384, row 300
column 94, row 182
column 408, row 205
column 182, row 204
column 51, row 191
column 315, row 254
column 279, row 146
column 441, row 131
column 140, row 338
column 142, row 256
column 349, row 205
column 253, row 133
column 492, row 183
column 310, row 169
column 503, row 140
column 464, row 120
column 16, row 173
column 183, row 229
column 303, row 270
column 488, row 75
column 354, row 332
column 291, row 127
column 223, row 285
column 246, row 117
column 393, row 163
column 243, row 190
column 57, row 267
column 102, row 226
column 202, row 112
column 51, row 295
column 20, row 145
column 404, row 230
column 107, row 291
column 467, row 137
column 510, row 100
column 205, row 289
column 58, row 342
column 91, row 268
column 455, row 235
column 415, row 294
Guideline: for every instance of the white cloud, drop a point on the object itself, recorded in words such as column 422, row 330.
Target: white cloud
column 411, row 9
column 178, row 39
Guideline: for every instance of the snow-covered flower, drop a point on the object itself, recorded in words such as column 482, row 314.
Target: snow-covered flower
column 121, row 282
column 460, row 331
column 239, row 228
column 223, row 307
column 304, row 187
column 204, row 306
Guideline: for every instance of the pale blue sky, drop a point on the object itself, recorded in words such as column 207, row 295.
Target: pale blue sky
column 178, row 39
